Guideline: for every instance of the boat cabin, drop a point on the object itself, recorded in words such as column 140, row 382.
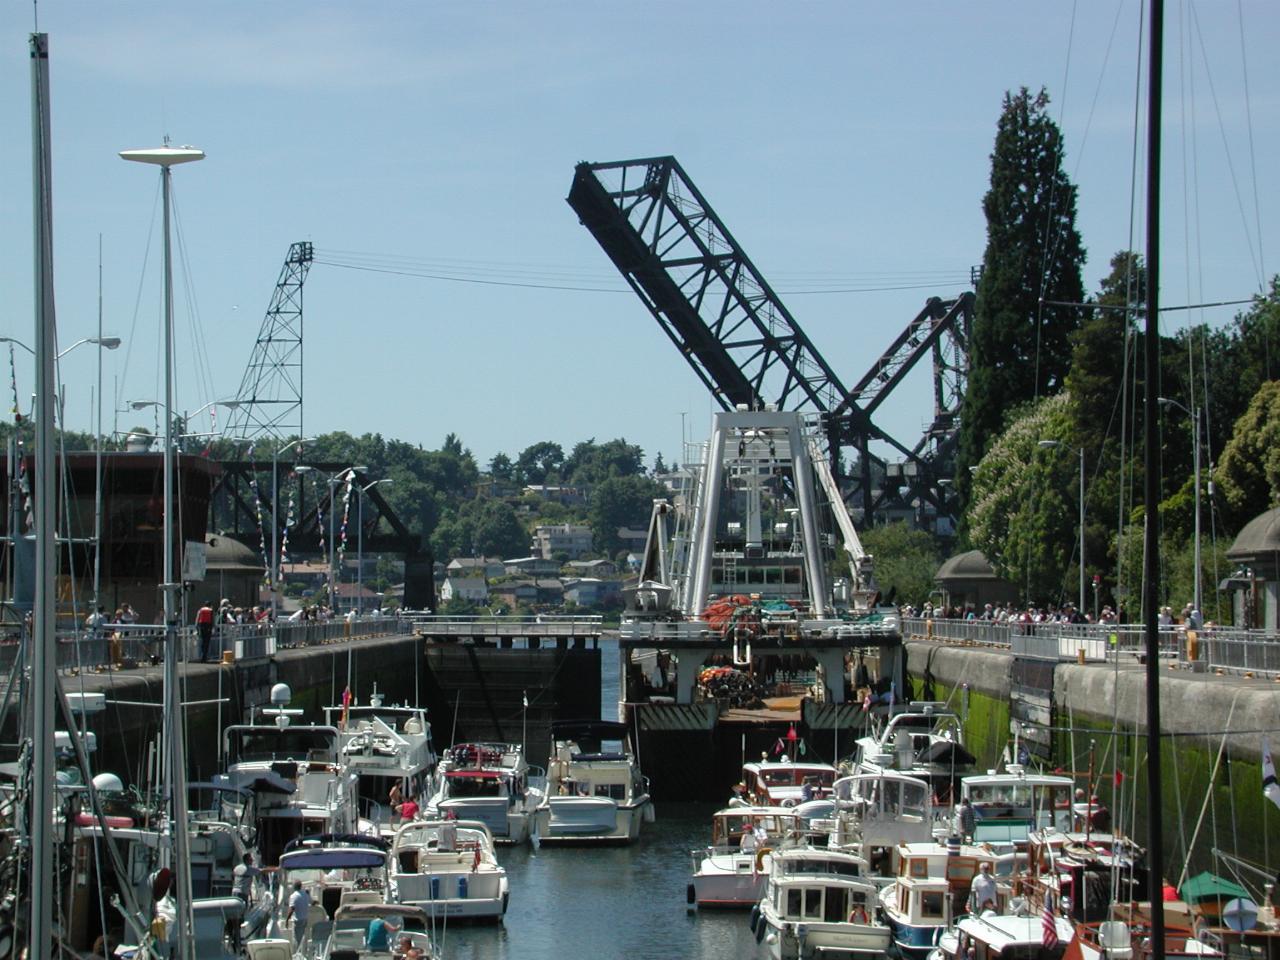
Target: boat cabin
column 1040, row 800
column 783, row 783
column 728, row 825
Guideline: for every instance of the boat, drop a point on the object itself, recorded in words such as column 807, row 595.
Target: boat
column 730, row 872
column 785, row 782
column 595, row 790
column 295, row 774
column 336, row 871
column 407, row 927
column 992, row 936
column 384, row 745
column 1038, row 800
column 448, row 868
column 930, row 891
column 819, row 903
column 924, row 739
column 875, row 812
column 1084, row 873
column 490, row 782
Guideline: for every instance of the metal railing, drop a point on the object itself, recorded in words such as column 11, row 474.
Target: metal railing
column 1229, row 649
column 483, row 625
column 121, row 645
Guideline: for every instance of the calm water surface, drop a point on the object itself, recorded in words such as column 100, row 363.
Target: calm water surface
column 581, row 903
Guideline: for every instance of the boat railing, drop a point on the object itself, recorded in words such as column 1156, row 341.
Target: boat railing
column 1211, row 648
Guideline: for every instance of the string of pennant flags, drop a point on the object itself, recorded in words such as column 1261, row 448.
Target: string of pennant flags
column 24, row 484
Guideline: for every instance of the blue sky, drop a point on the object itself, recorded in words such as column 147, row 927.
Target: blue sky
column 845, row 145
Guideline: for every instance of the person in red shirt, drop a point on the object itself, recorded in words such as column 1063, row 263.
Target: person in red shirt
column 204, row 624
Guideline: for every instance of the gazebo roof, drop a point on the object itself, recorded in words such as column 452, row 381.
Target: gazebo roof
column 971, row 565
column 229, row 555
column 1260, row 536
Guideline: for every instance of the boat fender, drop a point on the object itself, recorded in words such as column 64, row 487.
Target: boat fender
column 6, row 941
column 755, row 917
column 937, row 936
column 760, row 855
column 761, row 926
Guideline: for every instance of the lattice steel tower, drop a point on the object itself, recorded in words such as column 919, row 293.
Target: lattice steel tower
column 271, row 393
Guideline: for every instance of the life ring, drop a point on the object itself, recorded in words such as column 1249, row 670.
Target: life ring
column 760, row 855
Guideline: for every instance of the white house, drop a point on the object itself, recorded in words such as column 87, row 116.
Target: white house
column 572, row 540
column 465, row 588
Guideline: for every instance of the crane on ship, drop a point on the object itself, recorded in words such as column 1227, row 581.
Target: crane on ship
column 748, row 349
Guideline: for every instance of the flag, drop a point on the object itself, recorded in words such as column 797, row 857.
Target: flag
column 525, row 699
column 346, row 705
column 1270, row 788
column 1049, row 927
column 791, row 734
column 1119, row 778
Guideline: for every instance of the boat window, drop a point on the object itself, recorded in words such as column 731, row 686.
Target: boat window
column 777, row 778
column 920, row 867
column 960, row 868
column 614, row 791
column 793, row 902
column 813, row 903
column 931, row 904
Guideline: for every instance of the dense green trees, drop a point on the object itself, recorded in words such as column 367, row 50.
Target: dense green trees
column 1020, row 344
column 620, row 502
column 905, row 561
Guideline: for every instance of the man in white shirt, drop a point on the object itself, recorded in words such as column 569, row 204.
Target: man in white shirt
column 299, row 910
column 982, row 895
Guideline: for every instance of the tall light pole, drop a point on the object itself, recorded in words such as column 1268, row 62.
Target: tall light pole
column 275, row 527
column 360, row 543
column 1195, row 459
column 1048, row 444
column 166, row 157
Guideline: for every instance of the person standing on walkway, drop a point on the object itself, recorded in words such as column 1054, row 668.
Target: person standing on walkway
column 204, row 624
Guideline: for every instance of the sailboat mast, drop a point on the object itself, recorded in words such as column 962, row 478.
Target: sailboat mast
column 1151, row 490
column 43, row 634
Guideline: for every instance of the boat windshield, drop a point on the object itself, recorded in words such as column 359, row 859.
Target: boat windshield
column 819, row 866
column 257, row 744
column 461, row 785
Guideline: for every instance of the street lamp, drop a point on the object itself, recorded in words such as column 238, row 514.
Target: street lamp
column 107, row 343
column 165, row 157
column 1049, row 444
column 186, row 417
column 333, row 480
column 1195, row 459
column 360, row 543
column 275, row 507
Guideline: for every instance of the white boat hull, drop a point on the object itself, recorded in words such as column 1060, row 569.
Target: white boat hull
column 463, row 896
column 590, row 820
column 730, row 880
column 509, row 825
column 789, row 940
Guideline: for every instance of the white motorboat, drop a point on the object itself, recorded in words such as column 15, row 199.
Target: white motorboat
column 448, row 869
column 819, row 903
column 378, row 931
column 875, row 812
column 492, row 783
column 595, row 791
column 295, row 774
column 931, row 890
column 923, row 739
column 785, row 782
column 991, row 936
column 384, row 745
column 1036, row 800
column 732, row 871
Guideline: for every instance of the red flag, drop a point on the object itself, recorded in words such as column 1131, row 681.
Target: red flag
column 791, row 734
column 1119, row 778
column 1049, row 928
column 346, row 705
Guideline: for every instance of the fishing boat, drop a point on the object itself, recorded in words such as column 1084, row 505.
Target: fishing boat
column 819, row 903
column 448, row 868
column 731, row 871
column 383, row 745
column 595, row 790
column 295, row 774
column 492, row 783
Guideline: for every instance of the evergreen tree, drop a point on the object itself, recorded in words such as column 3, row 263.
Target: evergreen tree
column 1020, row 344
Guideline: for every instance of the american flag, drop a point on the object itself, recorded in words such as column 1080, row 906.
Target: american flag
column 1049, row 927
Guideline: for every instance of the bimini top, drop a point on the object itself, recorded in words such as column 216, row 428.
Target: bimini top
column 593, row 729
column 331, row 858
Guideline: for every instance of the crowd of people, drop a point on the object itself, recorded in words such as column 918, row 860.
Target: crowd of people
column 1051, row 613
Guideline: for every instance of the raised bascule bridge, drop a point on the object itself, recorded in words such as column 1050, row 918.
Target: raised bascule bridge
column 743, row 633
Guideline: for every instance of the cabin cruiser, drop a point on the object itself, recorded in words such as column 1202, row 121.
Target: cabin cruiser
column 875, row 812
column 785, row 782
column 595, row 791
column 492, row 783
column 819, row 903
column 732, row 870
column 923, row 739
column 448, row 869
column 931, row 890
column 384, row 746
column 405, row 933
column 295, row 773
column 1083, row 872
column 992, row 936
column 1039, row 800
